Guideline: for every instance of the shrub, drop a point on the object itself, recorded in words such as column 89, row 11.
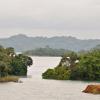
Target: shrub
column 59, row 73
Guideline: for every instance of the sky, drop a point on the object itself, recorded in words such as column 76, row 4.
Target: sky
column 78, row 18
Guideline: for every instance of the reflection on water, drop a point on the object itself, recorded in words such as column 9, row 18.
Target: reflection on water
column 36, row 88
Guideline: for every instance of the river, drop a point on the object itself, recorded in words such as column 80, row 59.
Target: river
column 36, row 88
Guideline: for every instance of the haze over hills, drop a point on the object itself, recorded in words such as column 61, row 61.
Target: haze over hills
column 23, row 43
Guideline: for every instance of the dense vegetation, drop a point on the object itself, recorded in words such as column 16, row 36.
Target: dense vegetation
column 47, row 51
column 73, row 66
column 12, row 64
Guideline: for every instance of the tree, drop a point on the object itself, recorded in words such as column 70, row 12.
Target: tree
column 12, row 64
column 20, row 63
column 88, row 67
column 69, row 59
column 58, row 73
column 10, row 51
column 4, row 69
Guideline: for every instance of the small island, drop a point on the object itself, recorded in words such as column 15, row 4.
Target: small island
column 12, row 65
column 75, row 66
column 46, row 51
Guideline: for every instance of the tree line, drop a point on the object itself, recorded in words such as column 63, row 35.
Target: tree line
column 77, row 66
column 46, row 51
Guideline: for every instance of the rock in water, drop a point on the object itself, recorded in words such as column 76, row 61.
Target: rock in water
column 20, row 81
column 94, row 89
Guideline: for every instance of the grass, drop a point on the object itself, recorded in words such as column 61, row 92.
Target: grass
column 9, row 79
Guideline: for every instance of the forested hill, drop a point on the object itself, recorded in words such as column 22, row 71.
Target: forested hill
column 23, row 43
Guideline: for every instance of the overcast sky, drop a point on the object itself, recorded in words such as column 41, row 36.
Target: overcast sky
column 80, row 18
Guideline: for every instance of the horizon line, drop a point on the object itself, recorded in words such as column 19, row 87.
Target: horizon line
column 38, row 36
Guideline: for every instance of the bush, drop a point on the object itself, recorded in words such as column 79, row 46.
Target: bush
column 12, row 64
column 88, row 67
column 49, row 74
column 59, row 73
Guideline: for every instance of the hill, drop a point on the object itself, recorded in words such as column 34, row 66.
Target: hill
column 47, row 51
column 23, row 43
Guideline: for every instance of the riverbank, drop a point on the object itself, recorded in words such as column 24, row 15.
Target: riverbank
column 9, row 79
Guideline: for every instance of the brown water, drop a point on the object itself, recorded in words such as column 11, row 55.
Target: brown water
column 36, row 88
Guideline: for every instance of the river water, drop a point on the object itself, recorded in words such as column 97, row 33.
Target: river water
column 36, row 88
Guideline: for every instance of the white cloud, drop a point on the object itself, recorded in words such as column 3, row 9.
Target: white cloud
column 60, row 16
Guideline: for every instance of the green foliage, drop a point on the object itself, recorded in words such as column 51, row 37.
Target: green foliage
column 10, row 51
column 69, row 59
column 47, row 51
column 49, row 74
column 88, row 67
column 3, row 69
column 59, row 73
column 19, row 65
column 12, row 64
column 62, row 73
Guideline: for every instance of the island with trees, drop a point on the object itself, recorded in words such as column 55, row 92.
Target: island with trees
column 12, row 65
column 77, row 66
column 46, row 51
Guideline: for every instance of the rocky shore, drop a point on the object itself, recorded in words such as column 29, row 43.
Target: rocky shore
column 94, row 89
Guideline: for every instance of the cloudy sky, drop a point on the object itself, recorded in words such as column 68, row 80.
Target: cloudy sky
column 80, row 18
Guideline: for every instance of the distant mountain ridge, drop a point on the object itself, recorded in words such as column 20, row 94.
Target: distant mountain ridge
column 23, row 43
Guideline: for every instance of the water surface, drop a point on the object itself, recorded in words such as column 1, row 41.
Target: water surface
column 36, row 88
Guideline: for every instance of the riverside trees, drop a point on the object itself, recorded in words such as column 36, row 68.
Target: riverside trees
column 87, row 67
column 12, row 64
